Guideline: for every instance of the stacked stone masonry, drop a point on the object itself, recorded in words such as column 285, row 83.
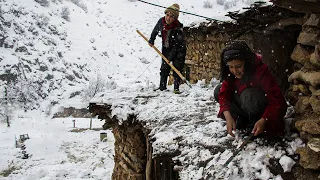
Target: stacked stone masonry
column 130, row 152
column 203, row 53
column 304, row 91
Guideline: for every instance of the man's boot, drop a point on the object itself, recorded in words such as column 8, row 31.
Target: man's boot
column 176, row 85
column 163, row 83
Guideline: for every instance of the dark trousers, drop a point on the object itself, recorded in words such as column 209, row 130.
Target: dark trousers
column 246, row 108
column 165, row 70
column 165, row 67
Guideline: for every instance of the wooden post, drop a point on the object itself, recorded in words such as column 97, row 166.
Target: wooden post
column 103, row 136
column 91, row 123
column 149, row 160
column 74, row 123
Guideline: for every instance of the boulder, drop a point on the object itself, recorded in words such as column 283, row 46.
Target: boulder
column 311, row 126
column 313, row 20
column 303, row 105
column 301, row 54
column 312, row 78
column 309, row 36
column 309, row 159
column 314, row 144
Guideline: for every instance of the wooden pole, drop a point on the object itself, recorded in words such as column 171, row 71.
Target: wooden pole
column 149, row 160
column 167, row 61
column 91, row 123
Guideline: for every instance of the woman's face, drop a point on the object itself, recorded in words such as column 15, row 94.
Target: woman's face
column 236, row 67
column 169, row 17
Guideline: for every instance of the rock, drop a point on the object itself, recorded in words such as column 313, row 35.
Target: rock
column 309, row 36
column 315, row 103
column 301, row 54
column 315, row 56
column 309, row 159
column 305, row 137
column 312, row 77
column 311, row 126
column 314, row 91
column 303, row 104
column 314, row 144
column 314, row 20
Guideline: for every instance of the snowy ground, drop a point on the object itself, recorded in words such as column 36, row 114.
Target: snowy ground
column 55, row 152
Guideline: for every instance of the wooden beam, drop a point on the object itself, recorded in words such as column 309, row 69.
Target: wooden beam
column 286, row 22
column 304, row 6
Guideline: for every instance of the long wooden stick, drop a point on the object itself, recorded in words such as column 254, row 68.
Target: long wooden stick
column 167, row 61
column 245, row 142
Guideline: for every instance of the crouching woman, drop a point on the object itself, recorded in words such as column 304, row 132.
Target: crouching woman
column 249, row 96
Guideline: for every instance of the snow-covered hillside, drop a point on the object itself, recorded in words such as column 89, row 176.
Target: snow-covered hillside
column 57, row 46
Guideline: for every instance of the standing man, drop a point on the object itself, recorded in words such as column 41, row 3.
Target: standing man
column 173, row 45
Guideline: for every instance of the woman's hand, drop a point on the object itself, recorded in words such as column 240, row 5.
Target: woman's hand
column 259, row 127
column 231, row 125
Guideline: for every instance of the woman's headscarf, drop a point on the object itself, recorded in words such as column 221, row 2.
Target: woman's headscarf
column 237, row 49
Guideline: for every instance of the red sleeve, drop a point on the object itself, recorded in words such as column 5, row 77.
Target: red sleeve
column 225, row 97
column 277, row 106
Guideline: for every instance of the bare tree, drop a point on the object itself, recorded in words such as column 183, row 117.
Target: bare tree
column 96, row 86
column 207, row 4
column 65, row 12
column 6, row 103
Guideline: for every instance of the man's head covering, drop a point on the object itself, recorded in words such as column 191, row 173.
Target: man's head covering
column 174, row 9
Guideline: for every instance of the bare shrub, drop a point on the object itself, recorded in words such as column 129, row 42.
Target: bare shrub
column 1, row 11
column 65, row 12
column 207, row 4
column 44, row 3
column 221, row 2
column 230, row 4
column 80, row 4
column 97, row 85
column 56, row 1
column 42, row 21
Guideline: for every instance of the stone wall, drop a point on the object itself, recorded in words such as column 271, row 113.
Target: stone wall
column 73, row 112
column 204, row 45
column 304, row 91
column 130, row 152
column 203, row 53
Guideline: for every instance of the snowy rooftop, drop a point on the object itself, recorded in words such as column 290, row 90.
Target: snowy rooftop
column 187, row 123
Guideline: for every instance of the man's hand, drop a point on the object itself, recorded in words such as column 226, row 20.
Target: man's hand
column 151, row 45
column 259, row 127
